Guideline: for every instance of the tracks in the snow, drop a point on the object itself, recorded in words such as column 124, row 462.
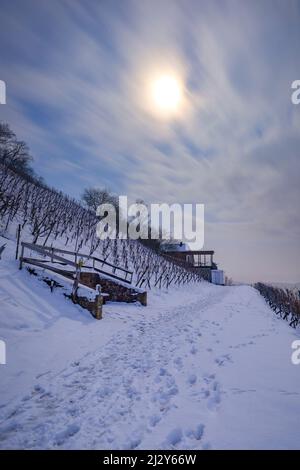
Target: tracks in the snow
column 129, row 389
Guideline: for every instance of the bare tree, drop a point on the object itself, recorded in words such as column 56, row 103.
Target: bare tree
column 14, row 153
column 94, row 197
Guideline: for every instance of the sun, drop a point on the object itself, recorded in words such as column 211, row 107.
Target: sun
column 167, row 94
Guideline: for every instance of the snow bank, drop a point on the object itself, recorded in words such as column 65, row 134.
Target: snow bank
column 201, row 367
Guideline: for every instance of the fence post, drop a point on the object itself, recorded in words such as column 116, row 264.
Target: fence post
column 142, row 297
column 98, row 303
column 76, row 283
column 21, row 257
column 18, row 240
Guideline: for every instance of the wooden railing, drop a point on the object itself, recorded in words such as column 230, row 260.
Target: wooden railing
column 73, row 259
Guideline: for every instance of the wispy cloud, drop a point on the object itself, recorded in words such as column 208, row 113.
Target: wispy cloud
column 76, row 72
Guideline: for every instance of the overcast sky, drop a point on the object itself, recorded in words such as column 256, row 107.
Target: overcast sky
column 75, row 74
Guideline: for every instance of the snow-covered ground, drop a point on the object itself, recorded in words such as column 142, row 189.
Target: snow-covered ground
column 201, row 367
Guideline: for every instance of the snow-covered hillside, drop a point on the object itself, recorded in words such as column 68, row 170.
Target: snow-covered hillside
column 201, row 367
column 50, row 218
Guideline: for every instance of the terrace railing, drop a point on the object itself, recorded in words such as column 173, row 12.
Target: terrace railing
column 74, row 259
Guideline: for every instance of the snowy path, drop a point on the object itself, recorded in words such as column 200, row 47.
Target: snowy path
column 214, row 373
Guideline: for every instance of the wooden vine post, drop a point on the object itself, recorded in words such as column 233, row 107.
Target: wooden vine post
column 18, row 240
column 76, row 280
column 98, row 303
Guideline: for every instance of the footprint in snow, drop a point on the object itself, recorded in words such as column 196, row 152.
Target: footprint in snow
column 192, row 379
column 178, row 362
column 174, row 437
column 238, row 391
column 208, row 378
column 154, row 420
column 222, row 360
column 70, row 431
column 196, row 433
column 214, row 397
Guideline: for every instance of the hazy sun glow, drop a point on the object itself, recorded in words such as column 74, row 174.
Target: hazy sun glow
column 167, row 93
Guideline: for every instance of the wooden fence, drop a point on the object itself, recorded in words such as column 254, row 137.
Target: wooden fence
column 73, row 259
